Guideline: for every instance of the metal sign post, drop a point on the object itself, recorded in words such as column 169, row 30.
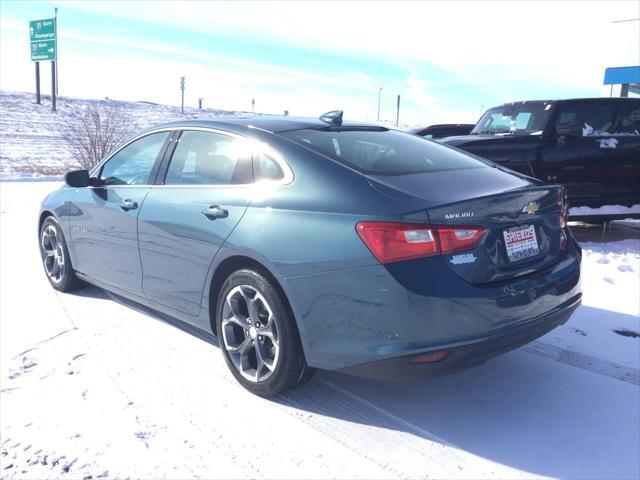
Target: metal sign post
column 182, row 90
column 38, row 83
column 42, row 37
column 398, row 111
column 53, row 86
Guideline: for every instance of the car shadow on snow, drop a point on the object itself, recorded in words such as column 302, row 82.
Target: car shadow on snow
column 521, row 410
column 540, row 415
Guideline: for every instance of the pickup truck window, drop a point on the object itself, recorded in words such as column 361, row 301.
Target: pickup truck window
column 523, row 119
column 601, row 119
column 596, row 119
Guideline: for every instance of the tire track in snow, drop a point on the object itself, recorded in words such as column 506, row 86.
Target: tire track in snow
column 585, row 362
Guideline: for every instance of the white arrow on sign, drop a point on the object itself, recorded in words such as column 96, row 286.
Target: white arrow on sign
column 51, row 50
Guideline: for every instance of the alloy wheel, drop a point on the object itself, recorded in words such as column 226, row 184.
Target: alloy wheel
column 52, row 253
column 250, row 333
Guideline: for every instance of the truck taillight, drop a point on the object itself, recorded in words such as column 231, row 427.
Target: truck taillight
column 394, row 242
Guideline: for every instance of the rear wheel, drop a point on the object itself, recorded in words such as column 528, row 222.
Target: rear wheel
column 258, row 335
column 55, row 257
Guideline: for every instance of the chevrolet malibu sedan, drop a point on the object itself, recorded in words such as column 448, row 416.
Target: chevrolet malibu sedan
column 309, row 244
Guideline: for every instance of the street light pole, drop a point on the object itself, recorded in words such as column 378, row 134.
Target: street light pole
column 379, row 93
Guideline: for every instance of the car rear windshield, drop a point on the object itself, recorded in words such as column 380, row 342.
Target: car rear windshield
column 378, row 151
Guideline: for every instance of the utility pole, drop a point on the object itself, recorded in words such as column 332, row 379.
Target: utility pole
column 253, row 105
column 182, row 91
column 398, row 111
column 379, row 93
column 200, row 103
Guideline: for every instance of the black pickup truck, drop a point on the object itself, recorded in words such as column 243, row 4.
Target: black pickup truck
column 592, row 146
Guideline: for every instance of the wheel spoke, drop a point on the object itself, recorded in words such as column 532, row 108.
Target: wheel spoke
column 242, row 347
column 233, row 308
column 259, row 361
column 55, row 270
column 235, row 320
column 53, row 238
column 270, row 364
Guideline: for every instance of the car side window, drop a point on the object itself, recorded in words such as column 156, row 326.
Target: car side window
column 595, row 119
column 266, row 167
column 132, row 165
column 209, row 158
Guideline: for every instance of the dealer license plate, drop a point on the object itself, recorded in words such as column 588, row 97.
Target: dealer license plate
column 521, row 242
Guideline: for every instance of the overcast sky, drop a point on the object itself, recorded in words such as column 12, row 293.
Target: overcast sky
column 447, row 60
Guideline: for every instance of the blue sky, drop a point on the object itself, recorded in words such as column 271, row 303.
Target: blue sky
column 446, row 60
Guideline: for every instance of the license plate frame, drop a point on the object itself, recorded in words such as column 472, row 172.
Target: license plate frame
column 521, row 242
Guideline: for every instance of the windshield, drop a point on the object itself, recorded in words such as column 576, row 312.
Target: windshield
column 383, row 152
column 523, row 119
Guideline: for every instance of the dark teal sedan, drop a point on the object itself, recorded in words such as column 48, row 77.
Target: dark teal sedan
column 316, row 243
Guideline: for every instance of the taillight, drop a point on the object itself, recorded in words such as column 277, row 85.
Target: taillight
column 394, row 242
column 561, row 200
column 454, row 240
column 564, row 214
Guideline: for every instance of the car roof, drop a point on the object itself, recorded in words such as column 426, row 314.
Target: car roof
column 268, row 123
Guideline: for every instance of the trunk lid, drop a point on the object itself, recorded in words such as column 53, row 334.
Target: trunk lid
column 521, row 218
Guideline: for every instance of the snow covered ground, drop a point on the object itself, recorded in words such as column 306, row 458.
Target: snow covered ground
column 92, row 386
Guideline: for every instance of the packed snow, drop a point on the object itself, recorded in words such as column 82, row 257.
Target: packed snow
column 605, row 210
column 92, row 386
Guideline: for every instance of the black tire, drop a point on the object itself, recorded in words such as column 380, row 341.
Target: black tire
column 65, row 280
column 289, row 368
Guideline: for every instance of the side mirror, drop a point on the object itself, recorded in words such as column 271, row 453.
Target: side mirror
column 77, row 178
column 570, row 129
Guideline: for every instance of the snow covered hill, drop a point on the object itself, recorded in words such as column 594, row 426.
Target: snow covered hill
column 32, row 144
column 31, row 135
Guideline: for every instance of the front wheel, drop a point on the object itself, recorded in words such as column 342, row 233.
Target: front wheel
column 258, row 335
column 55, row 257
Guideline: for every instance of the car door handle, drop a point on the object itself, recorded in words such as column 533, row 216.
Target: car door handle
column 214, row 211
column 128, row 205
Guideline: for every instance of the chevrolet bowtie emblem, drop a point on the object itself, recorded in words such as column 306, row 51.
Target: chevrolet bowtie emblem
column 531, row 208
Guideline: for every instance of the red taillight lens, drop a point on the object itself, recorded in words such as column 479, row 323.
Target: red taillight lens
column 454, row 240
column 561, row 198
column 564, row 215
column 394, row 242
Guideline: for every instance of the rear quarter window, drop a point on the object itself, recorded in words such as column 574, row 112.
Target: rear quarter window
column 383, row 152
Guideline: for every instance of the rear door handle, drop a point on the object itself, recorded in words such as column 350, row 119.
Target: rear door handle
column 128, row 205
column 214, row 211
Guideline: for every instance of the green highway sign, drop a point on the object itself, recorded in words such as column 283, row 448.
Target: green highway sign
column 42, row 34
column 42, row 51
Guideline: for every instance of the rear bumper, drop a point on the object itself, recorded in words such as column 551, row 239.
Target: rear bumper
column 379, row 313
column 461, row 357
